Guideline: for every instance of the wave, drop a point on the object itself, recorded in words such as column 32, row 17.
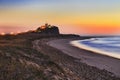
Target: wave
column 104, row 46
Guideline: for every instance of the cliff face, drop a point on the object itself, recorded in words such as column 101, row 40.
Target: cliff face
column 48, row 29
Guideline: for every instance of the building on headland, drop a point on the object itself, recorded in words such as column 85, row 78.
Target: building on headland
column 48, row 29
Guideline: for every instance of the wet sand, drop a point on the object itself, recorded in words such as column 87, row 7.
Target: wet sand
column 91, row 58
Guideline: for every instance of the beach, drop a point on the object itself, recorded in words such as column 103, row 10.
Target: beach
column 85, row 65
column 91, row 58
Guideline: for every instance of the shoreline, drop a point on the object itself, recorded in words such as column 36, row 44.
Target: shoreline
column 95, row 50
column 91, row 58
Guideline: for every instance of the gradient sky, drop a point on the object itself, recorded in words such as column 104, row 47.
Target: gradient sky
column 86, row 17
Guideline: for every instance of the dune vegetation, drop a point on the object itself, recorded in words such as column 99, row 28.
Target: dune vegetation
column 19, row 61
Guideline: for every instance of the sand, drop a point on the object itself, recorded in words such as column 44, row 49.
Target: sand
column 91, row 58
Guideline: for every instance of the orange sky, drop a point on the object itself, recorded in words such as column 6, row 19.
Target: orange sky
column 102, row 30
column 86, row 17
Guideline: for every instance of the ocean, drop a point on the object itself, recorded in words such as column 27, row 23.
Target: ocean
column 109, row 46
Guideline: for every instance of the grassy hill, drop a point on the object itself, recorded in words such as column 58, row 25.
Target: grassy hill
column 19, row 61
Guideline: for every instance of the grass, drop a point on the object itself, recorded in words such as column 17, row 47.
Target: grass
column 19, row 61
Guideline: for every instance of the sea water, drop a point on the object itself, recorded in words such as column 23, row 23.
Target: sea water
column 109, row 46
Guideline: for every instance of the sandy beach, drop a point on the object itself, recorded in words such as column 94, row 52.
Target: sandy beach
column 91, row 58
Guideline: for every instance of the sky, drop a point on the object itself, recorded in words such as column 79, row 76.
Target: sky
column 85, row 17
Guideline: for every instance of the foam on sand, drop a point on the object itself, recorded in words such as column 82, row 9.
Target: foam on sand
column 83, row 46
